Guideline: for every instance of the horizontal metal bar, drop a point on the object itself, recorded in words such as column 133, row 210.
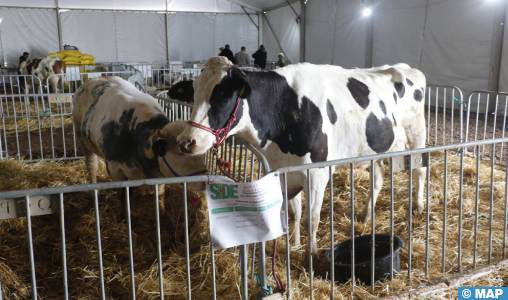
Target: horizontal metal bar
column 114, row 185
column 386, row 155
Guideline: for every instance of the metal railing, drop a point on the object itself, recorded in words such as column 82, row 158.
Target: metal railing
column 458, row 207
column 444, row 105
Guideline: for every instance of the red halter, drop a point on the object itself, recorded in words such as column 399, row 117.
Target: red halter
column 221, row 133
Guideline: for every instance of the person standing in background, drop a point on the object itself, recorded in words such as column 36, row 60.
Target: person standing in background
column 242, row 58
column 281, row 60
column 260, row 57
column 228, row 53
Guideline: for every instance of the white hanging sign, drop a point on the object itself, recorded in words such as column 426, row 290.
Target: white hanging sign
column 245, row 213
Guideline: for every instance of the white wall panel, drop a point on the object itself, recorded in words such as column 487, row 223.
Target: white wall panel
column 140, row 37
column 237, row 31
column 191, row 36
column 32, row 30
column 92, row 32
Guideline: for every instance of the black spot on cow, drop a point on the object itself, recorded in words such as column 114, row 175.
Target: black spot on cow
column 330, row 111
column 395, row 97
column 399, row 87
column 380, row 135
column 99, row 89
column 182, row 91
column 125, row 141
column 418, row 94
column 382, row 106
column 394, row 120
column 409, row 82
column 274, row 111
column 360, row 92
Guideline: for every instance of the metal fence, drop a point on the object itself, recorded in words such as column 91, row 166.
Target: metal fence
column 462, row 227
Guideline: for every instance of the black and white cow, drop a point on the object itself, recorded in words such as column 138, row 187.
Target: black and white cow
column 308, row 113
column 129, row 130
column 182, row 91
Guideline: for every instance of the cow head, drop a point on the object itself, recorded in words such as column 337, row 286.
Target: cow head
column 171, row 161
column 216, row 92
column 182, row 91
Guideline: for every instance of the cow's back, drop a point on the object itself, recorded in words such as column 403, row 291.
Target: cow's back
column 363, row 111
column 111, row 108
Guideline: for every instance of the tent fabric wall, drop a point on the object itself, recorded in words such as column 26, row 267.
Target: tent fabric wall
column 283, row 21
column 32, row 30
column 455, row 49
column 335, row 33
column 208, row 32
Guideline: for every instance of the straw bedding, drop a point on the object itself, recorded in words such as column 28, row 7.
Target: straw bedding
column 82, row 256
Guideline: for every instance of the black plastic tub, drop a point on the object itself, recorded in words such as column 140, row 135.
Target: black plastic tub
column 363, row 250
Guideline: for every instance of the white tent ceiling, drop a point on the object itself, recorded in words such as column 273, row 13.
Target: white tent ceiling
column 173, row 5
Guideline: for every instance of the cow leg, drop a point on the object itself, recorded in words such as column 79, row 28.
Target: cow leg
column 295, row 205
column 53, row 84
column 417, row 135
column 319, row 180
column 91, row 163
column 378, row 185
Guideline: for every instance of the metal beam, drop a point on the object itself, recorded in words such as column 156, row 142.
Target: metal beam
column 243, row 3
column 248, row 15
column 496, row 50
column 369, row 43
column 265, row 17
column 166, row 32
column 294, row 11
column 58, row 25
column 279, row 5
column 303, row 22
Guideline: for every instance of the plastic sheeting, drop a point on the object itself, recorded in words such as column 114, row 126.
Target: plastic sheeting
column 283, row 21
column 195, row 36
column 32, row 30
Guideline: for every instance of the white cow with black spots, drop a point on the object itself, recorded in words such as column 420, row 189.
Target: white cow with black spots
column 308, row 113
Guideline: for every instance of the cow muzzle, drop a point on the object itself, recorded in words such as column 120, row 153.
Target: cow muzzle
column 187, row 145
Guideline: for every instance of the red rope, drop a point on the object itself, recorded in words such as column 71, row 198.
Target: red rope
column 222, row 133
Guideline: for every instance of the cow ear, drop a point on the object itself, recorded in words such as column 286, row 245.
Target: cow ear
column 240, row 81
column 159, row 147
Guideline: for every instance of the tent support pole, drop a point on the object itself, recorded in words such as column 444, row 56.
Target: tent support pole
column 496, row 50
column 250, row 18
column 166, row 32
column 369, row 44
column 303, row 22
column 58, row 25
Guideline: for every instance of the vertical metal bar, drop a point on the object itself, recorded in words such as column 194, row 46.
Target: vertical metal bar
column 491, row 207
column 352, row 194
column 436, row 115
column 504, row 126
column 505, row 220
column 373, row 227
column 244, row 272
column 427, row 216
column 332, row 238
column 212, row 258
column 31, row 248
column 461, row 109
column 445, row 207
column 63, row 246
column 261, row 263
column 461, row 182
column 452, row 139
column 309, row 232
column 159, row 251
column 444, row 115
column 476, row 205
column 288, row 251
column 99, row 244
column 187, row 254
column 410, row 221
column 129, row 233
column 428, row 111
column 392, row 209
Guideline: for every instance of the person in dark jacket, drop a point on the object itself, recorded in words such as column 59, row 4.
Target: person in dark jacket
column 260, row 57
column 228, row 53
